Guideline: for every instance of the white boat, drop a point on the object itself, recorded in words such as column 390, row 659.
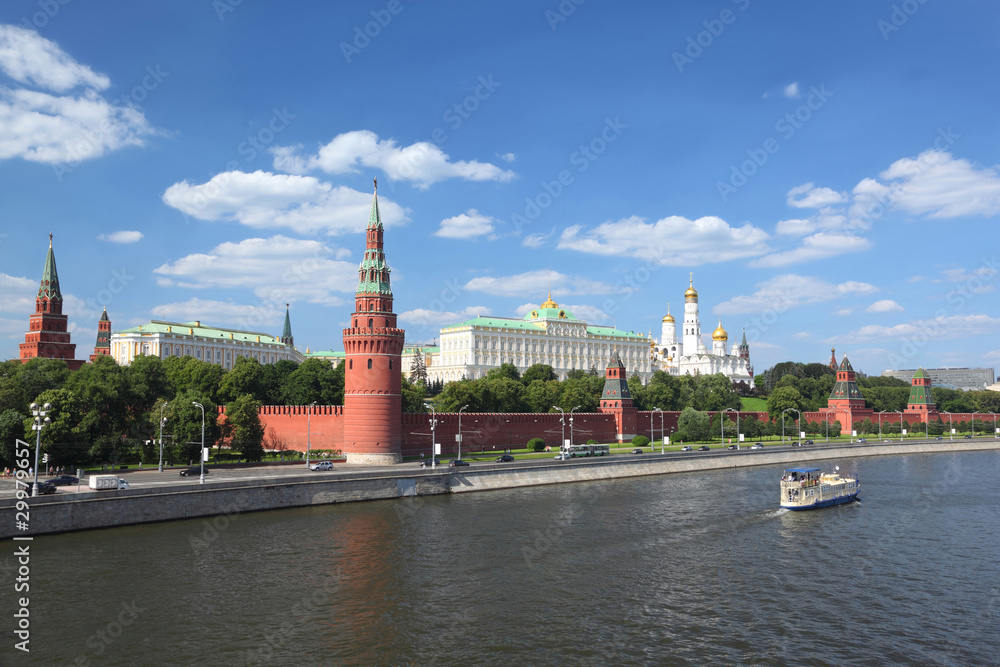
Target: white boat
column 807, row 488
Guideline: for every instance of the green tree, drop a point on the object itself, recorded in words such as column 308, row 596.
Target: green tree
column 65, row 439
column 414, row 395
column 189, row 374
column 663, row 391
column 273, row 379
column 538, row 372
column 784, row 398
column 694, row 424
column 315, row 380
column 245, row 378
column 541, row 395
column 243, row 414
column 187, row 421
column 507, row 370
column 503, row 394
column 11, row 430
column 456, row 394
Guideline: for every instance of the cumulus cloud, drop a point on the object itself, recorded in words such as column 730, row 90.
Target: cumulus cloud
column 466, row 225
column 18, row 296
column 507, row 157
column 220, row 313
column 536, row 241
column 795, row 227
column 939, row 328
column 815, row 247
column 809, row 196
column 536, row 283
column 672, row 241
column 442, row 318
column 54, row 111
column 264, row 200
column 781, row 293
column 121, row 237
column 884, row 306
column 423, row 163
column 792, row 90
column 276, row 269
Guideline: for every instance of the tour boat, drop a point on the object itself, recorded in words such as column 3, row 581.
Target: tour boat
column 807, row 489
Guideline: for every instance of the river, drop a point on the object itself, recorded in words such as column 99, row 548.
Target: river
column 684, row 569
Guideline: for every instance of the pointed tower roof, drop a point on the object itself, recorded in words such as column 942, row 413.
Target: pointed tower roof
column 845, row 365
column 104, row 315
column 374, row 219
column 920, row 373
column 287, row 331
column 49, row 287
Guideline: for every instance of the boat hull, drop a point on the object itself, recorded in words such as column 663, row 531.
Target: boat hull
column 842, row 500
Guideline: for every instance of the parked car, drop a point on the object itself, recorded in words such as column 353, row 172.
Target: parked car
column 44, row 488
column 687, row 448
column 704, row 448
column 734, row 447
column 757, row 445
column 796, row 443
column 426, row 463
column 64, row 480
column 968, row 437
column 808, row 442
column 506, row 458
column 939, row 438
column 193, row 471
column 862, row 439
column 561, row 457
column 637, row 450
column 454, row 463
column 322, row 465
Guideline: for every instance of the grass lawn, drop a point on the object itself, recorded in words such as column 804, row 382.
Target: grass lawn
column 751, row 404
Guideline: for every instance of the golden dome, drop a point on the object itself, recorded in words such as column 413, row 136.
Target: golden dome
column 549, row 303
column 720, row 333
column 691, row 292
column 668, row 317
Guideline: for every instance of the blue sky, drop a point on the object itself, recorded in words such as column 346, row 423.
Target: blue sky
column 827, row 171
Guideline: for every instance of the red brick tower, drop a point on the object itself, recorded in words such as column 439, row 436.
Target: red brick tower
column 373, row 347
column 845, row 394
column 103, row 345
column 617, row 400
column 47, row 334
column 921, row 400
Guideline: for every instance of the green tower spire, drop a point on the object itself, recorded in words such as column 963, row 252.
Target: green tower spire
column 286, row 333
column 49, row 287
column 373, row 274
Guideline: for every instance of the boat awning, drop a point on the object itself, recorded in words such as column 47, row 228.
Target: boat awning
column 802, row 469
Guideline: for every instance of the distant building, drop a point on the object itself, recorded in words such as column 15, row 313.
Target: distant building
column 48, row 331
column 968, row 379
column 103, row 345
column 212, row 344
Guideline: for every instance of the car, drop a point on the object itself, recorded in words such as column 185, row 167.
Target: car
column 193, row 471
column 862, row 439
column 561, row 457
column 734, row 447
column 968, row 437
column 704, row 448
column 687, row 448
column 757, row 445
column 426, row 463
column 44, row 488
column 808, row 442
column 939, row 438
column 637, row 450
column 64, row 480
column 506, row 458
column 796, row 443
column 322, row 465
column 455, row 463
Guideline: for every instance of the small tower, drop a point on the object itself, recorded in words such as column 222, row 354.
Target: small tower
column 48, row 332
column 833, row 358
column 103, row 345
column 845, row 394
column 693, row 342
column 286, row 332
column 921, row 400
column 720, row 340
column 617, row 400
column 744, row 352
column 668, row 330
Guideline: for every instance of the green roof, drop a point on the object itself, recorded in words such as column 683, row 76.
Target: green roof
column 615, row 333
column 426, row 349
column 499, row 322
column 196, row 329
column 549, row 313
column 920, row 374
column 287, row 331
column 49, row 286
column 325, row 353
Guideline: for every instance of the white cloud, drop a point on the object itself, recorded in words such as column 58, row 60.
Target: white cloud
column 536, row 241
column 915, row 279
column 795, row 227
column 884, row 306
column 48, row 125
column 264, row 200
column 466, row 225
column 809, row 196
column 843, row 312
column 791, row 90
column 423, row 163
column 276, row 269
column 221, row 313
column 939, row 328
column 781, row 293
column 121, row 237
column 439, row 318
column 18, row 295
column 817, row 246
column 536, row 283
column 672, row 241
column 581, row 311
column 507, row 157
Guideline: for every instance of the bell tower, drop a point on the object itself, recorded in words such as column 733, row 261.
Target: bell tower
column 373, row 347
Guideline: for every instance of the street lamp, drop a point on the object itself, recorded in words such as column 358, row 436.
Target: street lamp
column 662, row 446
column 994, row 425
column 201, row 454
column 162, row 422
column 737, row 424
column 433, row 422
column 460, row 430
column 41, row 421
column 951, row 430
column 974, row 424
column 571, row 425
column 309, row 431
column 900, row 413
column 798, row 418
column 562, row 420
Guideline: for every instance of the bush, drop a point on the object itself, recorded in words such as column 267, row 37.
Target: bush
column 640, row 441
column 536, row 445
column 592, row 442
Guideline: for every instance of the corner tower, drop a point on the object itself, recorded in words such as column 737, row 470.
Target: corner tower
column 617, row 400
column 373, row 348
column 921, row 399
column 845, row 394
column 48, row 333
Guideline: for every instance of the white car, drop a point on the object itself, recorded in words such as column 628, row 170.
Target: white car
column 322, row 465
column 687, row 448
column 756, row 445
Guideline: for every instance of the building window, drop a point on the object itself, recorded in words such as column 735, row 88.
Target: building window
column 369, row 364
column 350, row 364
column 370, row 322
column 390, row 364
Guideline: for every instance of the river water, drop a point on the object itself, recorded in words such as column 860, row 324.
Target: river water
column 685, row 569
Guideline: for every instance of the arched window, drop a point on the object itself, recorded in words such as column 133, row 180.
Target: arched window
column 369, row 364
column 350, row 364
column 390, row 364
column 371, row 322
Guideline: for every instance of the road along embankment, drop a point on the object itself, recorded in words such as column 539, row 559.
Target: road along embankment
column 61, row 513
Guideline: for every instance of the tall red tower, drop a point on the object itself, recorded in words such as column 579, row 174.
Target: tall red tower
column 373, row 347
column 617, row 400
column 103, row 345
column 48, row 335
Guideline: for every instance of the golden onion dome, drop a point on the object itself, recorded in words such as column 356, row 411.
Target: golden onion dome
column 549, row 303
column 668, row 317
column 720, row 333
column 691, row 292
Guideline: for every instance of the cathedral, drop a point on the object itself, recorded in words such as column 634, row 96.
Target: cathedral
column 688, row 355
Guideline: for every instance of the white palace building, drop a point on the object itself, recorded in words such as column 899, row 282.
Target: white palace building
column 687, row 355
column 548, row 335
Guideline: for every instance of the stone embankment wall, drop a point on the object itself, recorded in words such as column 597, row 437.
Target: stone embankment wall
column 64, row 513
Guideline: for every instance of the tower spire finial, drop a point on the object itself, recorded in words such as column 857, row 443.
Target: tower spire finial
column 375, row 181
column 50, row 239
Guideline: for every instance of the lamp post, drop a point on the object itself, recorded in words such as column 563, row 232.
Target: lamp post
column 562, row 420
column 974, row 424
column 309, row 431
column 927, row 427
column 994, row 425
column 798, row 417
column 162, row 420
column 900, row 413
column 460, row 430
column 827, row 420
column 571, row 425
column 41, row 421
column 951, row 431
column 880, row 425
column 737, row 424
column 201, row 454
column 662, row 446
column 433, row 421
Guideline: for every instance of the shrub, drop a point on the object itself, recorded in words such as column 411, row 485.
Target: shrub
column 536, row 444
column 592, row 442
column 640, row 441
